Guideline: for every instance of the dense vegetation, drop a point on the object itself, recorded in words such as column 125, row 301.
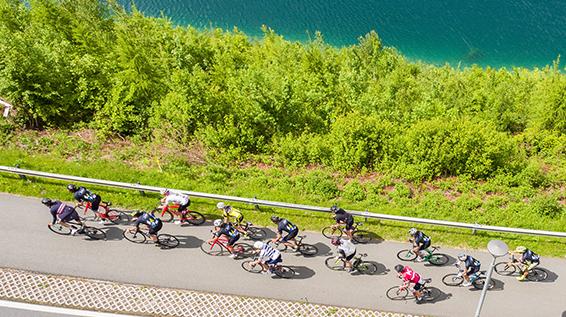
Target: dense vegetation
column 374, row 130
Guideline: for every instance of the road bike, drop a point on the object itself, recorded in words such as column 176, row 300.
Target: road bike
column 112, row 215
column 363, row 267
column 282, row 271
column 168, row 213
column 428, row 293
column 302, row 248
column 513, row 267
column 478, row 280
column 251, row 232
column 91, row 232
column 437, row 259
column 337, row 230
column 165, row 241
column 219, row 246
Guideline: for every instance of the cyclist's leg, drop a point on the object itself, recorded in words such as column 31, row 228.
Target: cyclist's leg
column 289, row 239
column 154, row 230
column 348, row 261
column 417, row 290
column 96, row 204
column 231, row 241
column 349, row 229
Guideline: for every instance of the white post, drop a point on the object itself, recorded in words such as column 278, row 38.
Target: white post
column 485, row 286
column 497, row 248
column 7, row 108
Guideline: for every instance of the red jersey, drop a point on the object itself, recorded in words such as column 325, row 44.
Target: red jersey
column 410, row 275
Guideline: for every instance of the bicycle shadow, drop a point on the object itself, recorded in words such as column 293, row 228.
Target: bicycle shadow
column 323, row 249
column 113, row 233
column 451, row 261
column 374, row 238
column 551, row 277
column 302, row 272
column 498, row 285
column 380, row 269
column 439, row 296
column 189, row 242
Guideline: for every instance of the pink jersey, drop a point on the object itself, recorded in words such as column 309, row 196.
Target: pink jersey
column 410, row 275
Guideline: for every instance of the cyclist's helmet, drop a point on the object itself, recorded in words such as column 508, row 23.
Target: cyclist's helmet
column 335, row 241
column 47, row 202
column 220, row 205
column 217, row 222
column 258, row 245
column 72, row 188
column 521, row 249
column 164, row 192
column 398, row 268
column 413, row 231
column 334, row 208
column 462, row 257
column 136, row 213
column 275, row 219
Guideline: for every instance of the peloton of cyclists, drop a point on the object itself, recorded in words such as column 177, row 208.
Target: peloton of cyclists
column 287, row 226
column 420, row 242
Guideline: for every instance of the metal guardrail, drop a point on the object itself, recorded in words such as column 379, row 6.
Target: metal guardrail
column 259, row 202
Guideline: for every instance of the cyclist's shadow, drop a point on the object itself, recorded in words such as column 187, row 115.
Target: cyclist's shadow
column 113, row 233
column 188, row 242
column 439, row 295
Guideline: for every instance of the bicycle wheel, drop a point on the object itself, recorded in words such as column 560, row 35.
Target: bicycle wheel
column 430, row 294
column 95, row 233
column 438, row 259
column 135, row 237
column 330, row 233
column 308, row 250
column 406, row 255
column 284, row 272
column 335, row 264
column 505, row 268
column 255, row 233
column 452, row 279
column 247, row 265
column 212, row 249
column 166, row 216
column 367, row 268
column 480, row 282
column 114, row 216
column 537, row 275
column 394, row 293
column 362, row 236
column 125, row 217
column 60, row 229
column 243, row 250
column 195, row 218
column 167, row 241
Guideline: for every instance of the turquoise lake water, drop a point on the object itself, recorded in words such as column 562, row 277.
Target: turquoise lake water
column 498, row 33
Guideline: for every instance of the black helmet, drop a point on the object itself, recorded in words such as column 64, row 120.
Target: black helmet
column 398, row 268
column 72, row 188
column 275, row 219
column 334, row 209
column 47, row 202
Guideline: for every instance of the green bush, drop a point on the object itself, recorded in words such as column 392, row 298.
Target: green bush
column 548, row 206
column 354, row 191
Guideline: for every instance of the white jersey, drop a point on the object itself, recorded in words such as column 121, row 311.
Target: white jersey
column 347, row 246
column 268, row 253
column 176, row 199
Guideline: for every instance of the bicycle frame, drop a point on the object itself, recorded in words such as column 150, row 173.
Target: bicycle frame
column 88, row 205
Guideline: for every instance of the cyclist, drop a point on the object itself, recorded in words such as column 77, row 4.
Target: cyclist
column 409, row 276
column 342, row 217
column 171, row 199
column 287, row 226
column 81, row 194
column 63, row 213
column 232, row 215
column 268, row 257
column 222, row 228
column 529, row 259
column 469, row 267
column 153, row 223
column 346, row 251
column 420, row 242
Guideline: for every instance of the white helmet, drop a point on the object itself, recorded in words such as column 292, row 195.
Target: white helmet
column 462, row 257
column 412, row 231
column 217, row 222
column 220, row 205
column 258, row 245
column 164, row 191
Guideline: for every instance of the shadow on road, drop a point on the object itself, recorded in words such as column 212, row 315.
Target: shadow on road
column 323, row 249
column 564, row 313
column 381, row 269
column 551, row 278
column 498, row 285
column 186, row 242
column 438, row 296
column 302, row 272
column 113, row 233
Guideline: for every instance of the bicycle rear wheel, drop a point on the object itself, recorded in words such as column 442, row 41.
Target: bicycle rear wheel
column 537, row 275
column 284, row 272
column 167, row 241
column 166, row 216
column 212, row 249
column 335, row 264
column 362, row 236
column 135, row 237
column 438, row 259
column 452, row 279
column 330, row 233
column 367, row 268
column 505, row 268
column 60, row 229
column 255, row 233
column 394, row 293
column 195, row 218
column 406, row 255
column 247, row 265
column 308, row 250
column 114, row 216
column 95, row 233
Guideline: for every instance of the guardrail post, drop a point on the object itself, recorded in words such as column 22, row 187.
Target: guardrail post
column 474, row 230
column 141, row 191
column 256, row 206
column 20, row 175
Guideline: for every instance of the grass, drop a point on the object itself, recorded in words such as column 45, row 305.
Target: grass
column 447, row 199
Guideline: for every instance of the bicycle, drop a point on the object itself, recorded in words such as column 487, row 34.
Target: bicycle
column 253, row 233
column 428, row 294
column 303, row 248
column 359, row 236
column 437, row 259
column 219, row 247
column 478, row 280
column 166, row 241
column 281, row 271
column 91, row 232
column 168, row 213
column 339, row 264
column 514, row 266
column 112, row 215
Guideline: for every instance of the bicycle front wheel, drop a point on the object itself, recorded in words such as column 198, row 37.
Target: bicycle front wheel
column 367, row 268
column 395, row 293
column 438, row 259
column 452, row 279
column 335, row 264
column 330, row 232
column 212, row 248
column 60, row 229
column 362, row 236
column 167, row 241
column 284, row 272
column 505, row 268
column 308, row 250
column 135, row 237
column 537, row 275
column 255, row 233
column 195, row 218
column 406, row 255
column 113, row 216
column 243, row 250
column 95, row 233
column 166, row 216
column 247, row 265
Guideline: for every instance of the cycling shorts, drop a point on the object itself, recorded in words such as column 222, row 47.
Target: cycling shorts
column 425, row 245
column 418, row 286
column 343, row 255
column 350, row 224
column 473, row 270
column 531, row 265
column 290, row 235
column 273, row 262
column 155, row 229
column 183, row 208
column 69, row 215
column 233, row 239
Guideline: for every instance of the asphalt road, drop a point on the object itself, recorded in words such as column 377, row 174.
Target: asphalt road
column 28, row 244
